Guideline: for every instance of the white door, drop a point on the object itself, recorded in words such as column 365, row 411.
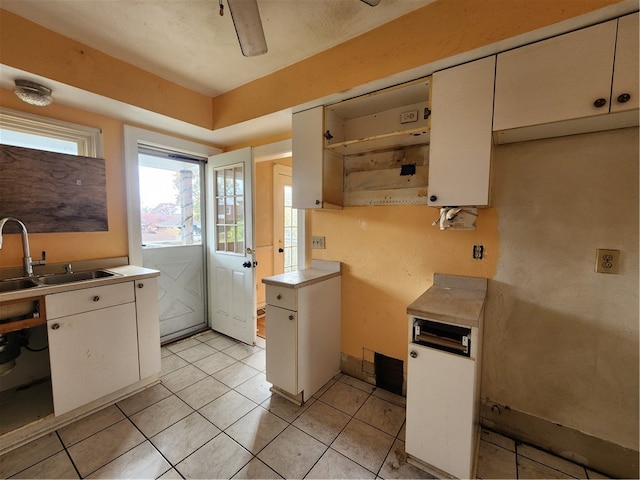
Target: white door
column 171, row 223
column 231, row 246
column 285, row 222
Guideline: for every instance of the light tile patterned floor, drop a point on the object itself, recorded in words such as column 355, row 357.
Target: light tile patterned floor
column 213, row 416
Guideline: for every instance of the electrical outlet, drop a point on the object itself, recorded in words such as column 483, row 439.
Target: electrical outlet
column 317, row 242
column 607, row 260
column 408, row 117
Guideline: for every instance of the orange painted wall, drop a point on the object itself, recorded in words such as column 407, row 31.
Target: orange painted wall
column 67, row 247
column 390, row 255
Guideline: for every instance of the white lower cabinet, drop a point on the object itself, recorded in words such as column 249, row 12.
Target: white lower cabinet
column 440, row 409
column 94, row 337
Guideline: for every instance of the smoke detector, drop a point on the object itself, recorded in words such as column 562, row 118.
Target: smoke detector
column 33, row 93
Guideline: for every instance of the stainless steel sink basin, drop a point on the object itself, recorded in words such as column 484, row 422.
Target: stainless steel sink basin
column 60, row 278
column 17, row 284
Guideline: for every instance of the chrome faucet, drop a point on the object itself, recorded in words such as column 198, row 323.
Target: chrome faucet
column 27, row 264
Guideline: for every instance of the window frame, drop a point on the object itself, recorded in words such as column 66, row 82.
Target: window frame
column 88, row 139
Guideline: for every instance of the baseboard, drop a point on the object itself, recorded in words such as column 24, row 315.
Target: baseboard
column 592, row 452
column 364, row 370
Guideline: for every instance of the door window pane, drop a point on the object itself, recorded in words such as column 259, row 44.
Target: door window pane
column 290, row 232
column 230, row 209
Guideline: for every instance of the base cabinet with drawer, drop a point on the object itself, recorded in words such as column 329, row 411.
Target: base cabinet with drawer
column 93, row 342
column 303, row 324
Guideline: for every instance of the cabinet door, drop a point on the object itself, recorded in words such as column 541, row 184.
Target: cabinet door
column 148, row 324
column 307, row 149
column 555, row 79
column 625, row 72
column 92, row 355
column 440, row 410
column 282, row 348
column 460, row 150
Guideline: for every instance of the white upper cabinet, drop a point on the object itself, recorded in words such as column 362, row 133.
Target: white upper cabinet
column 563, row 85
column 460, row 150
column 316, row 173
column 625, row 94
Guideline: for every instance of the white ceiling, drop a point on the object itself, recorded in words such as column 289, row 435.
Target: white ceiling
column 189, row 43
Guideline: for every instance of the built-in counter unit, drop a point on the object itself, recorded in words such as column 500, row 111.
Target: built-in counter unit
column 443, row 376
column 303, row 321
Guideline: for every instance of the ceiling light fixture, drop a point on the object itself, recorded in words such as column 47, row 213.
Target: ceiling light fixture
column 33, row 93
column 246, row 19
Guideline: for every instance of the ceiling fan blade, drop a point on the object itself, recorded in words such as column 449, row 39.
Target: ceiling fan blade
column 246, row 19
column 372, row 3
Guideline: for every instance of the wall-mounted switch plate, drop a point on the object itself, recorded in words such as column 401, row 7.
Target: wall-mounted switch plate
column 409, row 117
column 317, row 242
column 607, row 260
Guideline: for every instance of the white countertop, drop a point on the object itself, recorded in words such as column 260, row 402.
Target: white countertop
column 452, row 299
column 320, row 270
column 125, row 273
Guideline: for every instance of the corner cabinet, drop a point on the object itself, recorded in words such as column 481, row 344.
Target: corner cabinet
column 569, row 82
column 316, row 173
column 460, row 150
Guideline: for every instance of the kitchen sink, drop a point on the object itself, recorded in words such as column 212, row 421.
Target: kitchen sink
column 61, row 278
column 17, row 284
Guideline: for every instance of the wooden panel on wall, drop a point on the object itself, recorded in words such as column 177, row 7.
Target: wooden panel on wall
column 376, row 178
column 52, row 192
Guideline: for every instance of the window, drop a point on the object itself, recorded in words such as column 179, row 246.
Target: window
column 41, row 133
column 230, row 209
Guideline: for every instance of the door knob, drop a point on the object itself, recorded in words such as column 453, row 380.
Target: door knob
column 246, row 264
column 281, row 250
column 413, row 354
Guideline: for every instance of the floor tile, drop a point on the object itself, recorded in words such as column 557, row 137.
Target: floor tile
column 334, row 465
column 161, row 415
column 28, row 455
column 495, row 461
column 396, row 466
column 285, row 409
column 324, row 388
column 552, row 461
column 143, row 461
column 144, row 399
column 202, row 392
column 235, row 374
column 497, row 439
column 214, row 363
column 227, row 409
column 85, row 427
column 403, row 431
column 594, row 474
column 96, row 451
column 261, row 342
column 390, row 397
column 184, row 437
column 382, row 414
column 182, row 378
column 256, row 469
column 241, row 350
column 528, row 468
column 221, row 342
column 56, row 466
column 171, row 363
column 164, row 352
column 293, row 453
column 359, row 384
column 171, row 474
column 256, row 388
column 256, row 429
column 344, row 397
column 182, row 345
column 363, row 444
column 197, row 352
column 219, row 458
column 322, row 422
column 257, row 360
column 206, row 336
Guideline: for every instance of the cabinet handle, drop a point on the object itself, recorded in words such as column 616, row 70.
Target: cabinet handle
column 599, row 103
column 291, row 317
column 433, row 198
column 317, row 202
column 246, row 264
column 55, row 326
column 141, row 285
column 96, row 298
column 278, row 296
column 624, row 98
column 413, row 354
